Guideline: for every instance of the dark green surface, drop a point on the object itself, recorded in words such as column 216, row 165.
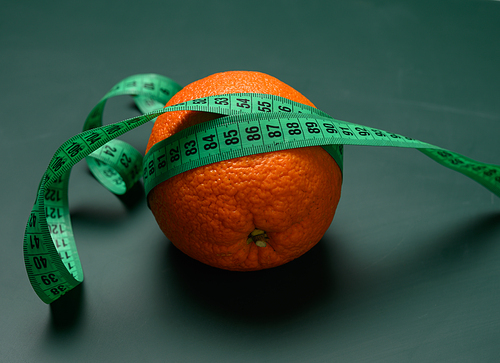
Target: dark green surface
column 409, row 270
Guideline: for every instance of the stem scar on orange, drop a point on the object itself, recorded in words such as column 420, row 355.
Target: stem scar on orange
column 252, row 212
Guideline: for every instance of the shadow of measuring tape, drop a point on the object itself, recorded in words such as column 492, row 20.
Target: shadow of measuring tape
column 455, row 247
column 133, row 197
column 67, row 312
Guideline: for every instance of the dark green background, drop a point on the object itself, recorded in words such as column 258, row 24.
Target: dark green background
column 409, row 270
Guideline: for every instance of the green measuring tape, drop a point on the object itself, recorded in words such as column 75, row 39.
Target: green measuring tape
column 251, row 124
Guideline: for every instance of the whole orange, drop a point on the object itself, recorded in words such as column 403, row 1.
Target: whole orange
column 252, row 212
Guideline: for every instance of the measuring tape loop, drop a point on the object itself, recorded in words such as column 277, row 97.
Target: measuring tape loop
column 250, row 124
column 117, row 165
column 51, row 258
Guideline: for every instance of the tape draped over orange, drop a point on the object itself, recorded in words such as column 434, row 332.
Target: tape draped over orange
column 252, row 212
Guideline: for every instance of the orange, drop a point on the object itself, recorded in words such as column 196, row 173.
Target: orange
column 252, row 212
